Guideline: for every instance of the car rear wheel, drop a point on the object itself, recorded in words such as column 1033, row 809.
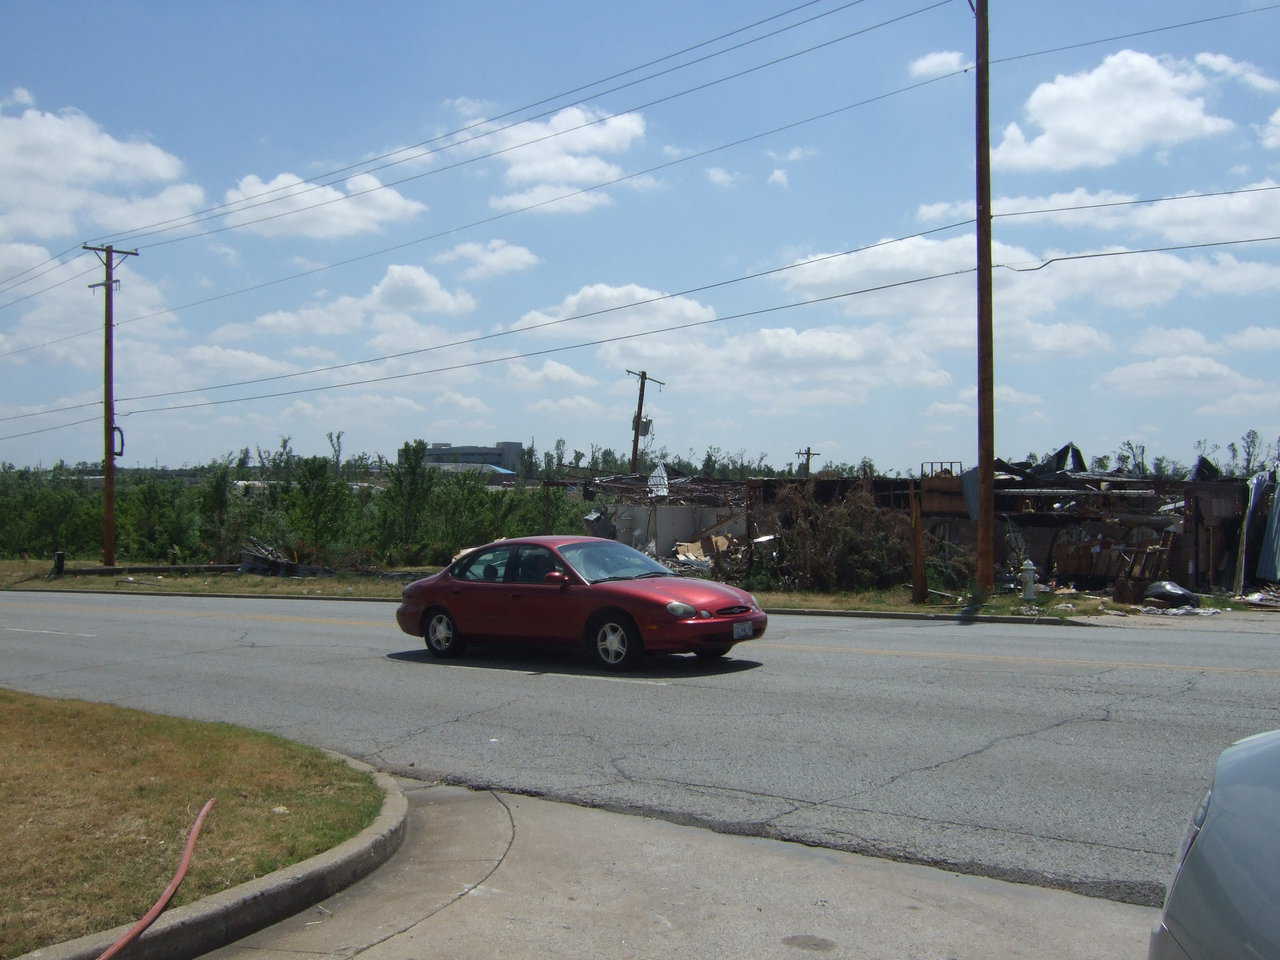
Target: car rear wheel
column 713, row 651
column 615, row 642
column 441, row 634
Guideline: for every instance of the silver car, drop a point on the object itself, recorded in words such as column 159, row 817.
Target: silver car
column 1224, row 901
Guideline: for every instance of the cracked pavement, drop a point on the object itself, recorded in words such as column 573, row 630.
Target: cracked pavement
column 1058, row 756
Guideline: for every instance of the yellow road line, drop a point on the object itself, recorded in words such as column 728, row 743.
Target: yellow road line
column 212, row 615
column 954, row 656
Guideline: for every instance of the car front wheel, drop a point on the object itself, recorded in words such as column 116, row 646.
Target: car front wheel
column 615, row 642
column 441, row 634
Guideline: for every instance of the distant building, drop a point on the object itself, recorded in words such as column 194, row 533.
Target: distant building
column 505, row 455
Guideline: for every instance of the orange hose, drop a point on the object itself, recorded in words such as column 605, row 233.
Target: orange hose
column 150, row 916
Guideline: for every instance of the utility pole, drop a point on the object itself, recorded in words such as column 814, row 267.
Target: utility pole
column 110, row 431
column 635, row 424
column 808, row 455
column 985, row 561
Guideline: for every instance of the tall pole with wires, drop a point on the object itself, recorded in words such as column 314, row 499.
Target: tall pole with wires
column 638, row 422
column 110, row 431
column 985, row 561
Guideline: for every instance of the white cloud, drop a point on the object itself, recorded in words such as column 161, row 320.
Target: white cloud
column 551, row 372
column 19, row 97
column 405, row 291
column 552, row 198
column 722, row 177
column 61, row 170
column 320, row 211
column 1269, row 135
column 779, row 177
column 1130, row 103
column 217, row 361
column 1172, row 342
column 1253, row 339
column 492, row 259
column 1240, row 70
column 1176, row 376
column 573, row 406
column 558, row 154
column 794, row 155
column 938, row 63
column 611, row 314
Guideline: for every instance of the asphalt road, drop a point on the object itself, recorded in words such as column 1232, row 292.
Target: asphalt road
column 1064, row 756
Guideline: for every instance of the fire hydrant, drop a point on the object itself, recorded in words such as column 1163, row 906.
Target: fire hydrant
column 1028, row 578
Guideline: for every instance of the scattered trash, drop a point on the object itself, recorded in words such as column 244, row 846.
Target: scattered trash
column 279, row 809
column 1064, row 606
column 1180, row 611
column 1112, row 613
column 1171, row 594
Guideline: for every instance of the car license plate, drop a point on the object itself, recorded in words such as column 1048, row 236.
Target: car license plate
column 743, row 630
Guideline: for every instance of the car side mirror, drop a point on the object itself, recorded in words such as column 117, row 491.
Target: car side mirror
column 555, row 577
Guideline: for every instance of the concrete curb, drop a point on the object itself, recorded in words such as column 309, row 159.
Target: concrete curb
column 782, row 611
column 221, row 918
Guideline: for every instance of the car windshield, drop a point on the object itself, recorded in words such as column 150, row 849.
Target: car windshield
column 600, row 560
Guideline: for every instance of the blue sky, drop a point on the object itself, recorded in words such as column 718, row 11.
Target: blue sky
column 119, row 117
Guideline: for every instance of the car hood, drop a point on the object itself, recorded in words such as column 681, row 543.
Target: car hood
column 703, row 594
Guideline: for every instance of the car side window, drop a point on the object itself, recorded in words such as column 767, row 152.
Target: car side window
column 487, row 565
column 534, row 563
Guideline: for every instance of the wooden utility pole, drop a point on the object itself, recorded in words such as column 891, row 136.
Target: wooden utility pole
column 635, row 424
column 985, row 561
column 808, row 455
column 110, row 431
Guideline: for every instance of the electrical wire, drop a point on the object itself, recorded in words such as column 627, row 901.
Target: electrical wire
column 1136, row 33
column 488, row 119
column 501, row 333
column 504, row 215
column 518, row 356
column 321, row 181
column 52, row 286
column 1125, row 253
column 614, row 339
column 397, row 247
column 56, row 260
column 519, row 146
column 193, row 218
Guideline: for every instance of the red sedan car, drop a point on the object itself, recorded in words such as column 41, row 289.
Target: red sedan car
column 577, row 590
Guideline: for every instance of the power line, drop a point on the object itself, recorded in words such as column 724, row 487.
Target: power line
column 55, row 260
column 1129, row 203
column 501, row 333
column 1136, row 33
column 522, row 356
column 191, row 219
column 52, row 286
column 527, row 143
column 324, row 181
column 497, row 117
column 604, row 340
column 1125, row 253
column 695, row 156
column 509, row 213
column 1017, row 213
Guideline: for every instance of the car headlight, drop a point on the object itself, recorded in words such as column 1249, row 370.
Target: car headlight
column 754, row 602
column 681, row 611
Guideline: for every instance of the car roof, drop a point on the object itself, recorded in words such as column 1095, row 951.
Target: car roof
column 547, row 540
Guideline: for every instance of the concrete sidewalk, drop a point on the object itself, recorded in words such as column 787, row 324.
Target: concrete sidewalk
column 484, row 875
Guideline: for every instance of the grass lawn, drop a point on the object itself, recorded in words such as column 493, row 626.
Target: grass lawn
column 96, row 802
column 31, row 575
